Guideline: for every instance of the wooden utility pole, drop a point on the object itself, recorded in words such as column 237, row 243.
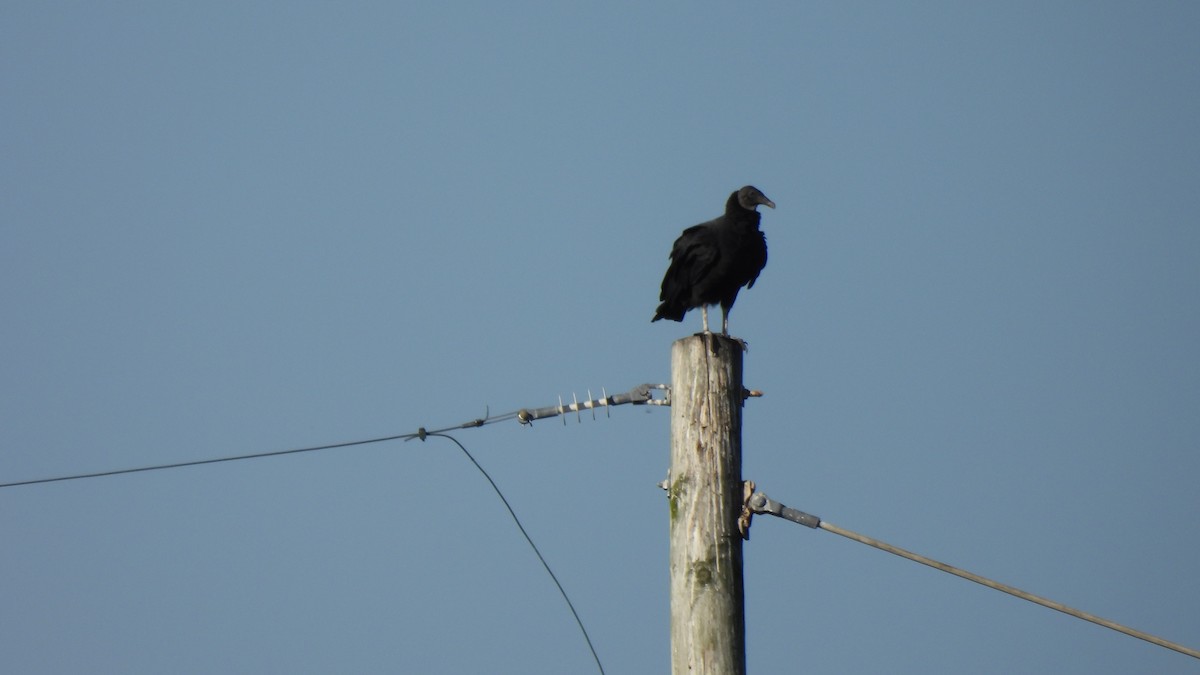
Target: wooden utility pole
column 708, row 624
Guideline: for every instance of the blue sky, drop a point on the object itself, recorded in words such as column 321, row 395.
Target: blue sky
column 233, row 228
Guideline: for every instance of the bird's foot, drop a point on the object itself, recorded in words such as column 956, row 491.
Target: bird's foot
column 745, row 345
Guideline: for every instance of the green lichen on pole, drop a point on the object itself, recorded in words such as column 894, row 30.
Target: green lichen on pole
column 708, row 627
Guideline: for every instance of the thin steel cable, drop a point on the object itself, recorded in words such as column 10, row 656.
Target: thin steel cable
column 636, row 395
column 273, row 453
column 532, row 545
column 1058, row 606
column 198, row 462
column 421, row 433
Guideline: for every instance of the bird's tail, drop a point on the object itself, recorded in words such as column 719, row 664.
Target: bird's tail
column 668, row 311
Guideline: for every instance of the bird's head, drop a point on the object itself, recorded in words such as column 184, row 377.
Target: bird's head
column 750, row 197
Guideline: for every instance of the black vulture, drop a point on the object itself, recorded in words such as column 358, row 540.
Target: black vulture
column 710, row 262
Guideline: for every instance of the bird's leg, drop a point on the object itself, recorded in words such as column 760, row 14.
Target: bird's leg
column 725, row 330
column 704, row 316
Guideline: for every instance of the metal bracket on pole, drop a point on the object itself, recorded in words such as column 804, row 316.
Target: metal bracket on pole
column 761, row 503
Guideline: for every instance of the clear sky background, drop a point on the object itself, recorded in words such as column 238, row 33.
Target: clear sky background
column 239, row 227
